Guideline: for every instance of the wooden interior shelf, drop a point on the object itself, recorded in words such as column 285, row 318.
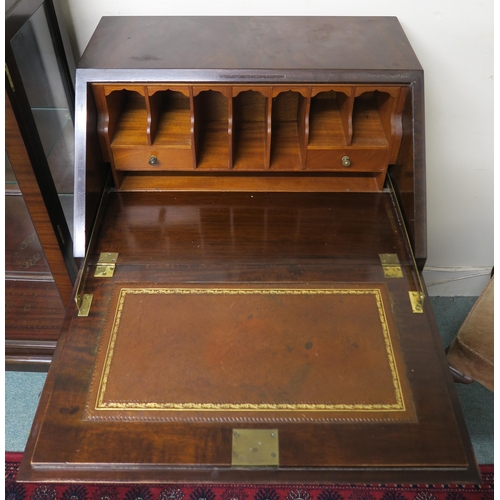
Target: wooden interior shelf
column 250, row 140
column 367, row 120
column 127, row 109
column 170, row 123
column 330, row 120
column 350, row 132
column 288, row 130
column 211, row 125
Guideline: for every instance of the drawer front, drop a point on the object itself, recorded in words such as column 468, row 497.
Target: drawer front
column 348, row 160
column 168, row 159
column 152, row 159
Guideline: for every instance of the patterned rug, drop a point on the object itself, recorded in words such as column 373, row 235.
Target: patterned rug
column 17, row 491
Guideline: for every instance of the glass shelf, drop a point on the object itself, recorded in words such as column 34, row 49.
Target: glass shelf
column 48, row 99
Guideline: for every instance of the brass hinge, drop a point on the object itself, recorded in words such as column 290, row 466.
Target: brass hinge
column 106, row 265
column 390, row 265
column 416, row 297
column 392, row 269
column 105, row 269
column 255, row 448
column 84, row 301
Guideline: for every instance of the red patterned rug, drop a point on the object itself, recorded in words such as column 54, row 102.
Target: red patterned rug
column 18, row 491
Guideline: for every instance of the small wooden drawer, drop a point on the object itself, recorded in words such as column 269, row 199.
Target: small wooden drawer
column 347, row 160
column 152, row 158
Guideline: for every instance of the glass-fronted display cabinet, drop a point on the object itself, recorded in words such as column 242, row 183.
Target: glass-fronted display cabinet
column 39, row 126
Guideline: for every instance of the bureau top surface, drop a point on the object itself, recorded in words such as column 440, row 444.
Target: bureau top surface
column 250, row 43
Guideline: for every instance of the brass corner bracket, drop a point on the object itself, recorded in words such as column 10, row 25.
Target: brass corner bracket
column 417, row 302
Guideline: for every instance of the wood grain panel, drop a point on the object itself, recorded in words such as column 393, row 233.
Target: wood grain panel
column 33, row 310
column 23, row 170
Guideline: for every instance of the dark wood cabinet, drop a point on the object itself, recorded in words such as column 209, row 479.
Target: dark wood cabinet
column 39, row 143
column 39, row 133
column 38, row 284
column 250, row 306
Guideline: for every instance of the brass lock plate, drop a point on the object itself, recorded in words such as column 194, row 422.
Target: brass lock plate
column 255, row 448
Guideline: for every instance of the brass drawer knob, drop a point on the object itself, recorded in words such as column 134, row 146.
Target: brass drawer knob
column 346, row 161
column 153, row 160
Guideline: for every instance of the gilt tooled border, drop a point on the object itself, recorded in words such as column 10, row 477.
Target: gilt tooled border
column 399, row 406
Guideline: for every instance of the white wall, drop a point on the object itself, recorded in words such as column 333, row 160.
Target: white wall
column 453, row 40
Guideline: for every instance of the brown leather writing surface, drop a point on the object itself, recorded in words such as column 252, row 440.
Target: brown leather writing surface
column 249, row 353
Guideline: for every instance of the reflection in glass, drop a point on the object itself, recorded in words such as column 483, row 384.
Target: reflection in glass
column 39, row 68
column 9, row 4
column 23, row 251
column 10, row 177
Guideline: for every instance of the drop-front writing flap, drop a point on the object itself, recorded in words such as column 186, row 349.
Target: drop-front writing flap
column 251, row 310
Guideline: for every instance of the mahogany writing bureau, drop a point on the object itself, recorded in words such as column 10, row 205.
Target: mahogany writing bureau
column 250, row 307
